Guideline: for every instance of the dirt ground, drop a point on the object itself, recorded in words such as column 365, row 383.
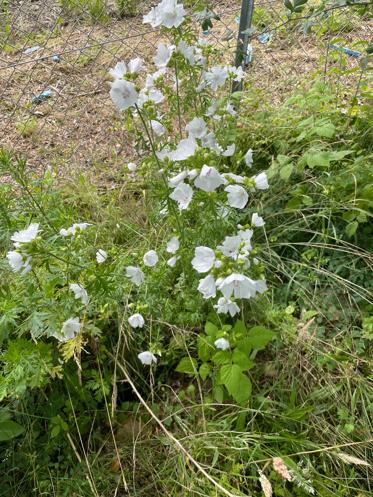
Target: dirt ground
column 77, row 126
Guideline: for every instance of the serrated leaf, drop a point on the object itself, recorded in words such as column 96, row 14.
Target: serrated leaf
column 259, row 337
column 239, row 327
column 242, row 360
column 187, row 366
column 222, row 357
column 205, row 349
column 237, row 383
column 211, row 329
column 10, row 429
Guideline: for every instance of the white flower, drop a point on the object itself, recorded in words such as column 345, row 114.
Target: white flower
column 157, row 127
column 101, row 256
column 209, row 141
column 70, row 329
column 212, row 109
column 163, row 55
column 173, row 245
column 150, row 258
column 136, row 321
column 261, row 181
column 150, row 95
column 222, row 344
column 182, row 194
column 209, row 179
column 236, row 73
column 261, row 286
column 135, row 65
column 147, row 358
column 132, row 166
column 203, row 260
column 207, row 287
column 172, row 261
column 231, row 246
column 152, row 78
column 79, row 292
column 18, row 262
column 76, row 227
column 230, row 109
column 123, row 94
column 236, row 178
column 225, row 306
column 237, row 196
column 196, row 128
column 230, row 151
column 27, row 235
column 135, row 275
column 187, row 51
column 168, row 13
column 256, row 220
column 216, row 77
column 176, row 180
column 249, row 158
column 193, row 173
column 240, row 286
column 184, row 150
column 119, row 70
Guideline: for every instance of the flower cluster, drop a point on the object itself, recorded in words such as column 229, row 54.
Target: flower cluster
column 20, row 259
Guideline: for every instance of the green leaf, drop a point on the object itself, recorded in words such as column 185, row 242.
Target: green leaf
column 205, row 349
column 318, row 159
column 259, row 337
column 242, row 360
column 351, row 228
column 222, row 357
column 239, row 327
column 187, row 366
column 211, row 329
column 286, row 171
column 10, row 429
column 204, row 371
column 326, row 130
column 218, row 393
column 237, row 384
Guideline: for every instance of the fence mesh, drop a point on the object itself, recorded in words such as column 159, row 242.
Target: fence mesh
column 55, row 56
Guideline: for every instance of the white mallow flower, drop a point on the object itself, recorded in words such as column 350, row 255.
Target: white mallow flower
column 230, row 109
column 101, row 256
column 176, row 180
column 256, row 220
column 123, row 94
column 163, row 55
column 168, row 13
column 152, row 78
column 74, row 229
column 231, row 246
column 157, row 127
column 135, row 65
column 27, row 235
column 249, row 158
column 150, row 258
column 70, row 329
column 172, row 261
column 132, row 167
column 261, row 181
column 204, row 259
column 209, row 179
column 236, row 73
column 135, row 275
column 196, row 128
column 226, row 306
column 222, row 344
column 136, row 321
column 240, row 286
column 236, row 178
column 183, row 195
column 212, row 109
column 150, row 95
column 147, row 358
column 18, row 262
column 185, row 149
column 173, row 245
column 229, row 151
column 79, row 292
column 216, row 77
column 207, row 287
column 119, row 70
column 237, row 196
column 187, row 51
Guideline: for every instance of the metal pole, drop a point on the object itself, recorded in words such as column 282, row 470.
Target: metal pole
column 247, row 10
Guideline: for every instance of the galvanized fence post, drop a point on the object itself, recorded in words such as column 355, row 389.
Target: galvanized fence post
column 247, row 10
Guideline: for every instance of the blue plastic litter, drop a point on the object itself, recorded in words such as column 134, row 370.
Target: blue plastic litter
column 249, row 55
column 347, row 51
column 206, row 33
column 56, row 58
column 31, row 50
column 265, row 37
column 38, row 99
column 238, row 18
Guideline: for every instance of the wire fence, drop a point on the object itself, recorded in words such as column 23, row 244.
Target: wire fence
column 55, row 56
